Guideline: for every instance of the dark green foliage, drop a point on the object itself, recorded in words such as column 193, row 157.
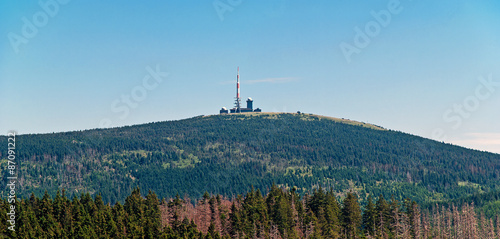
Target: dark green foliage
column 85, row 217
column 225, row 154
column 279, row 214
column 382, row 216
column 254, row 214
column 351, row 216
column 280, row 207
column 369, row 217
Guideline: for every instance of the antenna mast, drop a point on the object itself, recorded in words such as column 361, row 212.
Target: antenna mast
column 238, row 99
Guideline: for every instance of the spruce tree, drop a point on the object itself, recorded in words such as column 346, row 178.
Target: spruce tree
column 351, row 215
column 369, row 217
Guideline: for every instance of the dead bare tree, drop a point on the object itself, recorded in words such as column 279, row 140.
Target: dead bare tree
column 425, row 225
column 417, row 222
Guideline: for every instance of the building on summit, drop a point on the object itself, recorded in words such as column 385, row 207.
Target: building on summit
column 237, row 104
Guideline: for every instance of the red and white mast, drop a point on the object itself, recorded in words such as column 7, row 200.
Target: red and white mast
column 238, row 84
column 238, row 100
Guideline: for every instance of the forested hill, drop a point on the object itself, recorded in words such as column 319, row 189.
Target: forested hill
column 226, row 154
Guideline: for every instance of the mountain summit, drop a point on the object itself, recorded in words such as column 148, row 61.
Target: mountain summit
column 227, row 154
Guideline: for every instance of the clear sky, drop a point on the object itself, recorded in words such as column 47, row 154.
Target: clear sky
column 413, row 66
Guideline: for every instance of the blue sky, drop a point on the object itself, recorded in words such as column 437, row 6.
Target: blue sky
column 417, row 65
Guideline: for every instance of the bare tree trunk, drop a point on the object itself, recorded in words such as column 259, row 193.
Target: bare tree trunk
column 417, row 223
column 498, row 226
column 275, row 233
column 381, row 227
column 457, row 219
column 437, row 223
column 406, row 228
column 473, row 220
column 471, row 230
column 397, row 223
column 484, row 228
column 491, row 229
column 425, row 225
column 309, row 229
column 447, row 223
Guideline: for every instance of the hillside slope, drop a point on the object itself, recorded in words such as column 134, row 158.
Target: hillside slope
column 227, row 154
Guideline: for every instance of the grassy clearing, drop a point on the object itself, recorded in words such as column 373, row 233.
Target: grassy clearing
column 307, row 117
column 190, row 161
column 469, row 184
column 339, row 120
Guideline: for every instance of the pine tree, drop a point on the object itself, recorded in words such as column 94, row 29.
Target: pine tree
column 351, row 215
column 331, row 226
column 120, row 217
column 135, row 211
column 383, row 215
column 317, row 200
column 369, row 217
column 254, row 213
column 27, row 224
column 98, row 216
column 236, row 221
column 152, row 216
column 213, row 232
column 110, row 227
column 394, row 210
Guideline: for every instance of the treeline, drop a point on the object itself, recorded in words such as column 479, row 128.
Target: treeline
column 279, row 214
column 284, row 214
column 85, row 217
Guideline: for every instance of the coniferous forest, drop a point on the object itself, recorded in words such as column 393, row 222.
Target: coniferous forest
column 279, row 214
column 380, row 183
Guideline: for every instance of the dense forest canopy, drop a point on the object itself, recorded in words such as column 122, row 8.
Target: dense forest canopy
column 279, row 214
column 226, row 154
